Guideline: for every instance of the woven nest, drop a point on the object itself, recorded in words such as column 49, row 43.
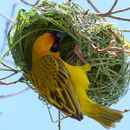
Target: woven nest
column 109, row 75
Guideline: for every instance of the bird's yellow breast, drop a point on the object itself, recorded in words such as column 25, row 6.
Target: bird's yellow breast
column 78, row 75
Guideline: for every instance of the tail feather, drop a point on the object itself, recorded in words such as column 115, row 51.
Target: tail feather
column 108, row 117
column 105, row 116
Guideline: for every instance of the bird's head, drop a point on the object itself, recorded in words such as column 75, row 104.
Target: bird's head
column 48, row 42
column 59, row 37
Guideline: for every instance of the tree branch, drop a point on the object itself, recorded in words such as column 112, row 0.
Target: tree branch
column 6, row 77
column 126, row 30
column 4, row 83
column 126, row 110
column 114, row 12
column 30, row 4
column 113, row 6
column 122, row 10
column 93, row 6
column 109, row 13
column 9, row 76
column 10, row 68
column 9, row 20
column 14, row 94
column 96, row 9
column 119, row 18
column 6, row 17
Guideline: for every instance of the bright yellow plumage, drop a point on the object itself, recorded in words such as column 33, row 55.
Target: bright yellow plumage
column 64, row 85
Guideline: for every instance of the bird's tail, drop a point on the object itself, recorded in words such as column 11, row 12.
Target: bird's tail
column 105, row 116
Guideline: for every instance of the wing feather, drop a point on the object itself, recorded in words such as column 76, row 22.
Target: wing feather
column 53, row 82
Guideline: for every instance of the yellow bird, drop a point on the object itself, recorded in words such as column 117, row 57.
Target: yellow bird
column 65, row 85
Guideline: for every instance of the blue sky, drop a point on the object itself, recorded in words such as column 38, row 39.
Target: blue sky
column 27, row 112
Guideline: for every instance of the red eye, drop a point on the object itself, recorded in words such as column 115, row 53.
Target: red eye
column 55, row 45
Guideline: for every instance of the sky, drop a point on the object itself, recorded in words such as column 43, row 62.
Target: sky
column 26, row 112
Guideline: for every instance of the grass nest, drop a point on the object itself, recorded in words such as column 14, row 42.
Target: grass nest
column 89, row 40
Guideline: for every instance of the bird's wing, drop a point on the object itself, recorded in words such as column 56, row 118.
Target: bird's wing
column 57, row 86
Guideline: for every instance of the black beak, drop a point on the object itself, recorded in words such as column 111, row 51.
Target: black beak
column 59, row 38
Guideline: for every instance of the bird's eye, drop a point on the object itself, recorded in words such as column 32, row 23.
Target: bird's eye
column 55, row 47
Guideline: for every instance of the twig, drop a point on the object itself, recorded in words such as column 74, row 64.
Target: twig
column 30, row 4
column 122, row 10
column 10, row 68
column 114, row 12
column 96, row 9
column 126, row 30
column 78, row 53
column 8, row 23
column 15, row 93
column 1, row 69
column 113, row 6
column 126, row 110
column 86, row 13
column 9, row 76
column 6, row 77
column 4, row 83
column 48, row 108
column 119, row 18
column 6, row 17
column 109, row 13
column 59, row 122
column 112, row 49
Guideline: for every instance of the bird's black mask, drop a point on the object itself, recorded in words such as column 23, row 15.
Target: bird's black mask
column 59, row 38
